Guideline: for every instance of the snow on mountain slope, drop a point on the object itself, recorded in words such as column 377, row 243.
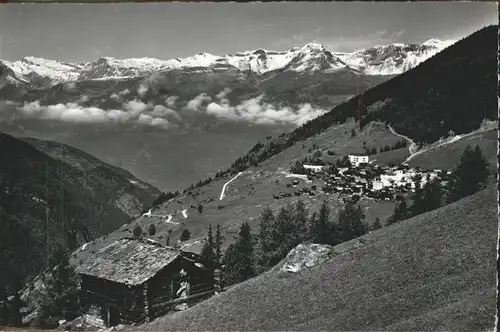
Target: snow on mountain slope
column 39, row 71
column 379, row 60
column 314, row 57
column 393, row 59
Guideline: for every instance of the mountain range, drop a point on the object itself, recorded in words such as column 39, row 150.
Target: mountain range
column 378, row 60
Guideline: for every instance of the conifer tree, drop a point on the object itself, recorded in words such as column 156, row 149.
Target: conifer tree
column 238, row 260
column 137, row 231
column 281, row 234
column 61, row 299
column 299, row 231
column 265, row 245
column 418, row 200
column 322, row 230
column 208, row 249
column 432, row 195
column 311, row 226
column 472, row 172
column 376, row 225
column 152, row 229
column 401, row 212
column 218, row 243
column 350, row 224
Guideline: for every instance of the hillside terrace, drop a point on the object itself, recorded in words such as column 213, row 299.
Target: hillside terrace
column 364, row 180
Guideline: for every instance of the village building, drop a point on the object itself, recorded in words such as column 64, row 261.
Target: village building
column 357, row 160
column 132, row 281
column 314, row 168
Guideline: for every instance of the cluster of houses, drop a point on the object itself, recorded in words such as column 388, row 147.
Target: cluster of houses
column 363, row 178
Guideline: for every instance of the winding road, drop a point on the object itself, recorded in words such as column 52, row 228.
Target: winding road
column 223, row 192
column 413, row 148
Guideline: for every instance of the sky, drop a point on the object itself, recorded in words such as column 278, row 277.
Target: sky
column 85, row 32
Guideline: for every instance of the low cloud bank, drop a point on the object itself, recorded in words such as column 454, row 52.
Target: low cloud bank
column 164, row 115
column 133, row 112
column 198, row 102
column 260, row 112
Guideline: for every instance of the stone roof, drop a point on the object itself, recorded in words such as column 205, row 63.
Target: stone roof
column 129, row 261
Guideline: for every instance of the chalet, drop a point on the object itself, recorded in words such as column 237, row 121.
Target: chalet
column 133, row 281
column 357, row 160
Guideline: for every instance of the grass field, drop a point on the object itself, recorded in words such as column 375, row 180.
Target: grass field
column 448, row 157
column 432, row 272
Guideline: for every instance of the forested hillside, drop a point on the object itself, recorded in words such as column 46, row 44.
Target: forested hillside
column 47, row 201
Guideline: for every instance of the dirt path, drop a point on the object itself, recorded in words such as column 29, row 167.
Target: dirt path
column 223, row 192
column 413, row 148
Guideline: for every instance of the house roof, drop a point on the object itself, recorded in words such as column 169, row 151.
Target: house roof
column 128, row 261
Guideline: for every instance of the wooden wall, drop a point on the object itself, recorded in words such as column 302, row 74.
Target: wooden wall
column 163, row 287
column 154, row 298
column 128, row 300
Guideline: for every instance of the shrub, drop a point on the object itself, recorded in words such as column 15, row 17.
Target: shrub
column 152, row 230
column 185, row 235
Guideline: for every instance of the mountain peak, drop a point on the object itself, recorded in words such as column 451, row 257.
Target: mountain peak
column 313, row 47
column 432, row 41
column 438, row 43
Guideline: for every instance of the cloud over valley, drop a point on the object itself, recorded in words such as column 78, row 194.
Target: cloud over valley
column 164, row 113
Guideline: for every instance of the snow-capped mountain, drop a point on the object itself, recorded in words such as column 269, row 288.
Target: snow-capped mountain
column 379, row 60
column 393, row 59
column 38, row 72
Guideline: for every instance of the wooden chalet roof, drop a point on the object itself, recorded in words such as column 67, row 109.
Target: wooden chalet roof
column 128, row 261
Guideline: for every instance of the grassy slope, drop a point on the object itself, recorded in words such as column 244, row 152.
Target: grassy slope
column 432, row 272
column 448, row 157
column 244, row 203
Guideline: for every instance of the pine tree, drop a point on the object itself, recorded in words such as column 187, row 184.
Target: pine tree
column 218, row 243
column 208, row 249
column 418, row 205
column 282, row 226
column 61, row 299
column 322, row 230
column 238, row 260
column 137, row 231
column 432, row 195
column 311, row 226
column 350, row 224
column 281, row 234
column 266, row 245
column 185, row 235
column 376, row 225
column 152, row 230
column 300, row 215
column 168, row 237
column 401, row 212
column 472, row 172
